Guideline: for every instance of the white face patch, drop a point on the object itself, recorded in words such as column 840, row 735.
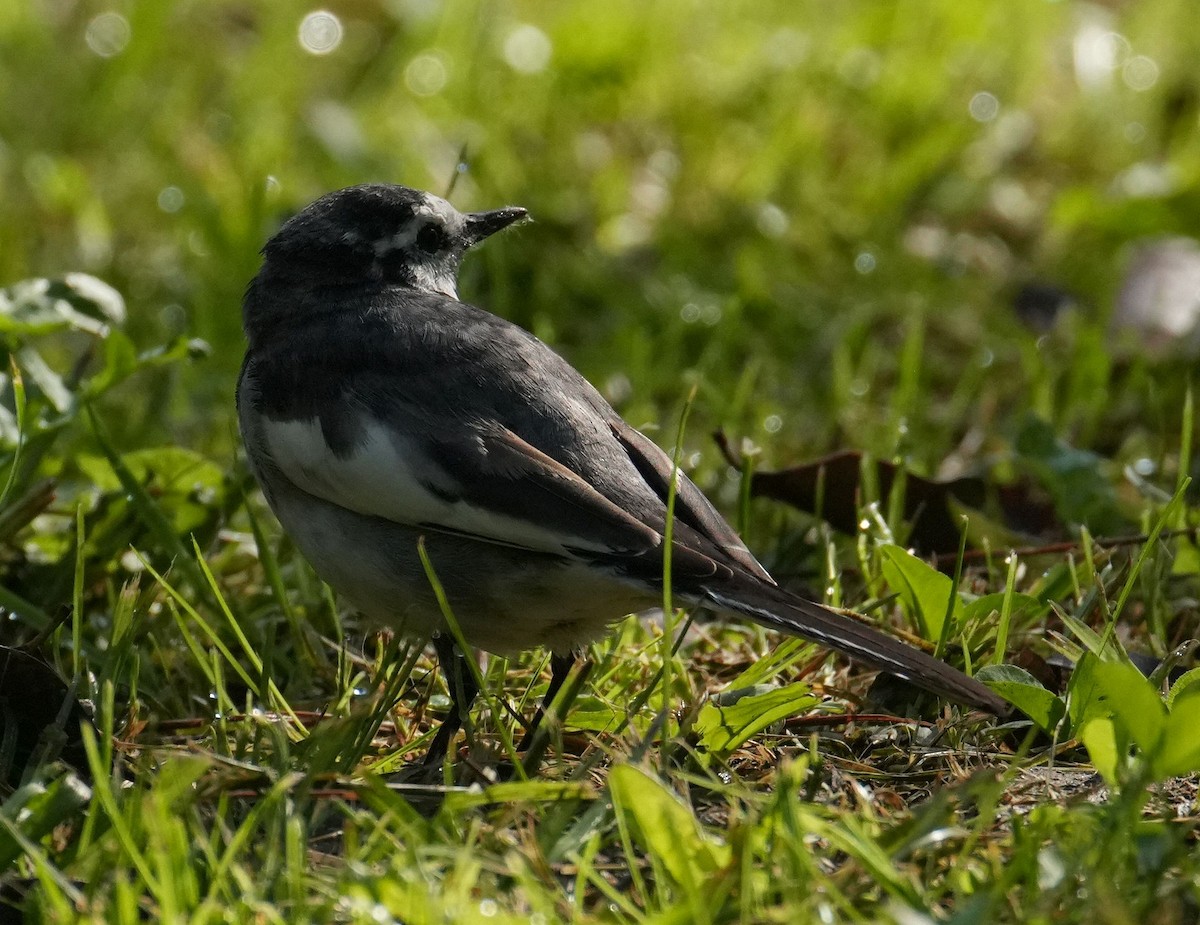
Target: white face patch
column 431, row 272
column 402, row 240
column 437, row 207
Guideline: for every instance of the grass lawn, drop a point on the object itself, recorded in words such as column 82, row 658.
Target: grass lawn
column 900, row 232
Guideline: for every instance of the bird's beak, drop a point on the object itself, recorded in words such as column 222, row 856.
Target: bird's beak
column 484, row 224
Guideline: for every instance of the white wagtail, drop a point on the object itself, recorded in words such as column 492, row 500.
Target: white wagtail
column 378, row 409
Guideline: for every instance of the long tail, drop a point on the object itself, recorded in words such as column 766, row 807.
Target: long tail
column 779, row 610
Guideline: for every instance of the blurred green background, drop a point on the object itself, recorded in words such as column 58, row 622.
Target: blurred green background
column 820, row 211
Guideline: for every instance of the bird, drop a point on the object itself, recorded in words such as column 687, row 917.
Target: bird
column 382, row 416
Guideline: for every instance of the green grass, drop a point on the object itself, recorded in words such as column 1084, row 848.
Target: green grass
column 788, row 207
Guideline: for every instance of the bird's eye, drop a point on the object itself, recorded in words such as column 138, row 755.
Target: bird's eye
column 431, row 239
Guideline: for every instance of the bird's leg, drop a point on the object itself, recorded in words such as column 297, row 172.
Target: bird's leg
column 461, row 682
column 560, row 667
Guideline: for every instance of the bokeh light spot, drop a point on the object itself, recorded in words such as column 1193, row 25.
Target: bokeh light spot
column 984, row 107
column 108, row 34
column 527, row 49
column 320, row 32
column 170, row 199
column 426, row 74
column 1140, row 73
column 593, row 151
column 1097, row 52
column 771, row 220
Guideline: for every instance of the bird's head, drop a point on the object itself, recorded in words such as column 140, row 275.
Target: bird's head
column 383, row 233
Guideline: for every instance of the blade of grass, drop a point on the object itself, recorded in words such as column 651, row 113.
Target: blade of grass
column 277, row 699
column 456, row 632
column 28, row 612
column 1005, row 624
column 272, row 696
column 103, row 794
column 18, row 387
column 939, row 650
column 270, row 567
column 1154, row 535
column 77, row 596
column 1186, row 435
column 669, row 615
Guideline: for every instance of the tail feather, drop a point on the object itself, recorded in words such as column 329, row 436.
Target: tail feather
column 779, row 610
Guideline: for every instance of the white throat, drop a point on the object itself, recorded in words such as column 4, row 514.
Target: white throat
column 428, row 278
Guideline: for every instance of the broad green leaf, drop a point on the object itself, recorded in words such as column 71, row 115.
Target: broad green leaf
column 924, row 592
column 668, row 829
column 171, row 468
column 983, row 607
column 91, row 294
column 723, row 728
column 33, row 812
column 77, row 302
column 120, row 362
column 1099, row 736
column 1083, row 702
column 595, row 715
column 163, row 528
column 1022, row 690
column 1135, row 704
column 1187, row 558
column 186, row 486
column 1179, row 751
column 1188, row 681
column 1075, row 478
column 48, row 382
